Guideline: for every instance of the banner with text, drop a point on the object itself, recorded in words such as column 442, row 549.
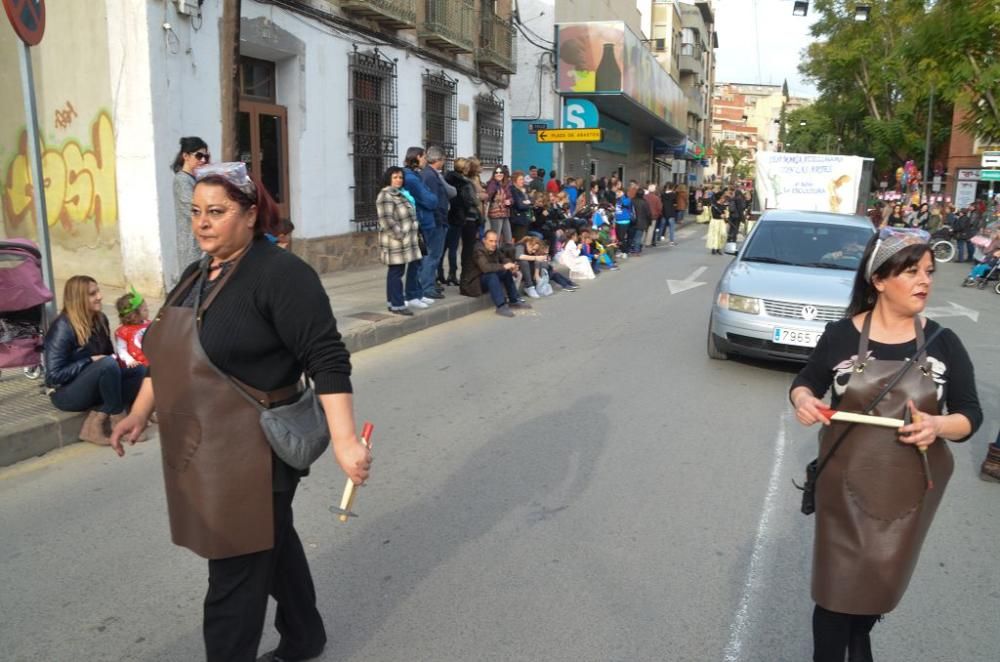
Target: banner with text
column 809, row 182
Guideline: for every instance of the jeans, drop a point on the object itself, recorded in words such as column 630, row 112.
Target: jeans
column 238, row 588
column 528, row 274
column 668, row 224
column 635, row 239
column 964, row 245
column 435, row 250
column 502, row 227
column 103, row 385
column 496, row 282
column 679, row 216
column 562, row 281
column 394, row 291
column 451, row 240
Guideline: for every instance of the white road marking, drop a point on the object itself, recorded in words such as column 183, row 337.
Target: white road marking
column 952, row 310
column 738, row 629
column 689, row 283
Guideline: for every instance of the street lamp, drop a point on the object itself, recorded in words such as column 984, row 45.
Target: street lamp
column 801, row 8
column 862, row 11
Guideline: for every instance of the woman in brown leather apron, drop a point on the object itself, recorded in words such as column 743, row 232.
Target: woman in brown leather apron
column 877, row 495
column 260, row 315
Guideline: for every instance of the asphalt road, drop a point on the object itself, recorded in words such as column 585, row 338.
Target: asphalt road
column 578, row 483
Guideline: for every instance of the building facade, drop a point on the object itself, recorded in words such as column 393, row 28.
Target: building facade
column 331, row 93
column 606, row 54
column 964, row 182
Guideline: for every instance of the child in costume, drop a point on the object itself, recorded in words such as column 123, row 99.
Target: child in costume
column 134, row 317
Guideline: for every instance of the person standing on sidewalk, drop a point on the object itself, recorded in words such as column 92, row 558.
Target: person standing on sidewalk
column 193, row 153
column 399, row 241
column 426, row 204
column 498, row 203
column 520, row 208
column 655, row 214
column 244, row 323
column 681, row 207
column 668, row 200
column 434, row 180
column 463, row 217
column 80, row 363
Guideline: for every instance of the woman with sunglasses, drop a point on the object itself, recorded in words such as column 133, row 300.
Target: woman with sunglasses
column 499, row 200
column 878, row 490
column 193, row 154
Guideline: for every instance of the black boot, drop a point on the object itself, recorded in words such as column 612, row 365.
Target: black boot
column 452, row 279
column 859, row 647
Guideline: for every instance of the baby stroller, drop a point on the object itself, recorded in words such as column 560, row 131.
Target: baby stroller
column 984, row 272
column 942, row 244
column 23, row 296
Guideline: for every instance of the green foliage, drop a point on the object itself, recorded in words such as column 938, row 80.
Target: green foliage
column 875, row 78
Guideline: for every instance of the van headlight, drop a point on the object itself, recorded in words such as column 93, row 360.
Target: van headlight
column 740, row 304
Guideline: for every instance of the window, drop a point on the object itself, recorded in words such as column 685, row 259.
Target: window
column 489, row 130
column 440, row 113
column 372, row 81
column 257, row 79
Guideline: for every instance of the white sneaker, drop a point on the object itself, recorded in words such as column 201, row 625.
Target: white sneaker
column 427, row 301
column 532, row 292
column 416, row 303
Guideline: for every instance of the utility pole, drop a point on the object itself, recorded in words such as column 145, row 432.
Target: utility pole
column 229, row 70
column 927, row 146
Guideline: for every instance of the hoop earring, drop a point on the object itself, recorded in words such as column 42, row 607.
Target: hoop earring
column 871, row 298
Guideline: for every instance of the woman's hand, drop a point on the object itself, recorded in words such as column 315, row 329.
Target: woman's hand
column 354, row 459
column 128, row 429
column 923, row 431
column 97, row 357
column 807, row 407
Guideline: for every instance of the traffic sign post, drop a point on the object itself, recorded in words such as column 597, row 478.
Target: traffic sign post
column 570, row 136
column 27, row 17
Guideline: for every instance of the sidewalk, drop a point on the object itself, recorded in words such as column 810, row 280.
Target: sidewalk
column 31, row 426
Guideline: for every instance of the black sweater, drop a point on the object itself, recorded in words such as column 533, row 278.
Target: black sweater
column 271, row 321
column 834, row 358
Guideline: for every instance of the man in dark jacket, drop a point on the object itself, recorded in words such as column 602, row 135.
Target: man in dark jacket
column 435, row 237
column 737, row 211
column 493, row 271
column 669, row 202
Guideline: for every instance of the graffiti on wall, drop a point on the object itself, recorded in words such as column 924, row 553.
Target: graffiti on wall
column 65, row 116
column 79, row 184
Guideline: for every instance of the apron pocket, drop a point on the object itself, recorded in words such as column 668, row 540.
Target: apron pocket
column 180, row 437
column 886, row 492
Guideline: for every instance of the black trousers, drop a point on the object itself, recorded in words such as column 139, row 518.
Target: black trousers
column 238, row 587
column 734, row 229
column 835, row 634
column 470, row 235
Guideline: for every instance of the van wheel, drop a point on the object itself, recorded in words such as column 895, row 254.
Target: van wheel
column 713, row 346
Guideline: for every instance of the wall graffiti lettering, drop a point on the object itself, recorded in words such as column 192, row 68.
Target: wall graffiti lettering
column 65, row 117
column 79, row 183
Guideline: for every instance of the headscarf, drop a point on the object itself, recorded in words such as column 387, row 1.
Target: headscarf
column 890, row 241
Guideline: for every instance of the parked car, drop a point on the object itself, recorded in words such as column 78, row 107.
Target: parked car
column 792, row 275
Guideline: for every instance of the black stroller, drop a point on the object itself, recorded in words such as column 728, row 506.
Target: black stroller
column 23, row 296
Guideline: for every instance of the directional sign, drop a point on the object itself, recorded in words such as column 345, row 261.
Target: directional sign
column 989, row 175
column 570, row 136
column 27, row 18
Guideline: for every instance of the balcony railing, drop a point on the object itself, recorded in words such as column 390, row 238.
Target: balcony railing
column 449, row 25
column 497, row 44
column 395, row 14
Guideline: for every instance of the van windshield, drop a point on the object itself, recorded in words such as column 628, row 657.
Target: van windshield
column 807, row 245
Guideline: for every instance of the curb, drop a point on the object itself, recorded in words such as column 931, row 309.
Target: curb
column 57, row 429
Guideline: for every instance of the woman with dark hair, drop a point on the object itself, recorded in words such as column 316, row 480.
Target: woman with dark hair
column 464, row 216
column 499, row 200
column 80, row 364
column 238, row 333
column 425, row 202
column 398, row 240
column 896, row 219
column 192, row 154
column 877, row 494
column 520, row 208
column 641, row 219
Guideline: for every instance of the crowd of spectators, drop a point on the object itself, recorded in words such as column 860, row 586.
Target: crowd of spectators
column 513, row 237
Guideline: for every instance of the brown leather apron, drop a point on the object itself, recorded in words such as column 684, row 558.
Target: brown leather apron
column 873, row 508
column 216, row 459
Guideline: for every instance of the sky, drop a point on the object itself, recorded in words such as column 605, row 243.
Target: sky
column 780, row 36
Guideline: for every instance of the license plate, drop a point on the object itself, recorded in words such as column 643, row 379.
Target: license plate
column 797, row 337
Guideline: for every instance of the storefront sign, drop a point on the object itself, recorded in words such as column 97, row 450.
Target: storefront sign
column 991, row 160
column 989, row 175
column 617, row 136
column 580, row 114
column 969, row 174
column 965, row 194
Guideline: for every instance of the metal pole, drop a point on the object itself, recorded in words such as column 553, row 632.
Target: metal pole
column 37, row 180
column 927, row 147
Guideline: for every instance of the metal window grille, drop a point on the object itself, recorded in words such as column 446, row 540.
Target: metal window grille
column 372, row 80
column 441, row 113
column 489, row 130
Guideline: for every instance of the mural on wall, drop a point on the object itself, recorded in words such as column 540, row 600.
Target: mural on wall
column 80, row 195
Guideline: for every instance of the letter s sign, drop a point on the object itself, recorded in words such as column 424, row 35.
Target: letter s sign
column 580, row 114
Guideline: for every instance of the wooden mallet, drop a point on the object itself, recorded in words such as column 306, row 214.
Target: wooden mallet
column 347, row 501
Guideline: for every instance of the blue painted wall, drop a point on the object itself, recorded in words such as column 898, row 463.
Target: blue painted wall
column 526, row 150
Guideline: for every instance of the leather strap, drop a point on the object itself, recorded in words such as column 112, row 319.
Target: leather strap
column 268, row 399
column 866, row 328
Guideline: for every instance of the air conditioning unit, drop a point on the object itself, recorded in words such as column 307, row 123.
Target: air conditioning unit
column 660, row 44
column 189, row 7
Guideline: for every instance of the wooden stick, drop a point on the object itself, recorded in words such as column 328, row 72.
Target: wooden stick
column 347, row 501
column 849, row 417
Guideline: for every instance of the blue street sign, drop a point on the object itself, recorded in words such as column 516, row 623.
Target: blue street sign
column 580, row 114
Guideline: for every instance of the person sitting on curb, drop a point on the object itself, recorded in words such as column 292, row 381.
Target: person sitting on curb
column 80, row 365
column 494, row 272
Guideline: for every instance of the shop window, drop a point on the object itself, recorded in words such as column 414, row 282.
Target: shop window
column 441, row 113
column 372, row 80
column 489, row 130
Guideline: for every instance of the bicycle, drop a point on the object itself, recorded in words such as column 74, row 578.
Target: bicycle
column 942, row 244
